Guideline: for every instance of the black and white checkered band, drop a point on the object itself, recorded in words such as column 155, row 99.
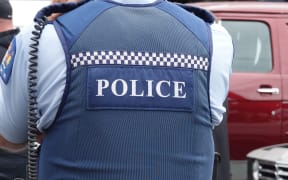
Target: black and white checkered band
column 139, row 59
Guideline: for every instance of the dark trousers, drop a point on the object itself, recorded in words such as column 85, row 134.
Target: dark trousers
column 12, row 165
column 221, row 140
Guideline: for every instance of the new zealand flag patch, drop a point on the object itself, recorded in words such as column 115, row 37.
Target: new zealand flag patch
column 7, row 62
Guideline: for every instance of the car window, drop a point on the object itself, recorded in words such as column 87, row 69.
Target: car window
column 252, row 45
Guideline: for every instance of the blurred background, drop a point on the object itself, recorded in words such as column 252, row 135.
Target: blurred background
column 23, row 17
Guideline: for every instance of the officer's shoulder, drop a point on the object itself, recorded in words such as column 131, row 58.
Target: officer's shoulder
column 202, row 13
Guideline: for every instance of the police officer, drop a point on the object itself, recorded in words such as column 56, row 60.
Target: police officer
column 7, row 30
column 127, row 90
column 11, row 165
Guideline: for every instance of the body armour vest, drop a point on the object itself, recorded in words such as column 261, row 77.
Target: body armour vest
column 136, row 103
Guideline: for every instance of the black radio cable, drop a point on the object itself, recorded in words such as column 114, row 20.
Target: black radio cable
column 33, row 115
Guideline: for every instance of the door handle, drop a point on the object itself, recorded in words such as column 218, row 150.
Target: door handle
column 268, row 90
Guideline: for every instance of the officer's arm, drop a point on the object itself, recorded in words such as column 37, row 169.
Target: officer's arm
column 14, row 95
column 220, row 71
column 11, row 147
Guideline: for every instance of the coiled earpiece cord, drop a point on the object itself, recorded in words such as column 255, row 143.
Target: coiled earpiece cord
column 33, row 116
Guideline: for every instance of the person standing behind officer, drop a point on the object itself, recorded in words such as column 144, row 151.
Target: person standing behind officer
column 11, row 165
column 7, row 30
column 130, row 90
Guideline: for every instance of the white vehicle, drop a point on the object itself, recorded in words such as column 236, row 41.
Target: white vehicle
column 268, row 163
column 25, row 10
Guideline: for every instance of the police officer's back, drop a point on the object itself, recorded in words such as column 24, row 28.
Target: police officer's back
column 124, row 92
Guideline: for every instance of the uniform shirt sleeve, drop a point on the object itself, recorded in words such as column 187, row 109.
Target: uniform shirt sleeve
column 51, row 81
column 13, row 96
column 220, row 71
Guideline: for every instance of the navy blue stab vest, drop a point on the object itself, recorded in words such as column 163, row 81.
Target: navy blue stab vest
column 136, row 102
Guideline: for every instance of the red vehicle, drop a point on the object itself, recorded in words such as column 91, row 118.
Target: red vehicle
column 258, row 96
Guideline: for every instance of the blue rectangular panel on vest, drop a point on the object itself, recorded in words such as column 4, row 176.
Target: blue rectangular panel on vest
column 143, row 88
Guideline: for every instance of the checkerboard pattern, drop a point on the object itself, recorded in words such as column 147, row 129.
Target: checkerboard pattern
column 131, row 58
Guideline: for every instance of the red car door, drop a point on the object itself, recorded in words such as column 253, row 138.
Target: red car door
column 254, row 100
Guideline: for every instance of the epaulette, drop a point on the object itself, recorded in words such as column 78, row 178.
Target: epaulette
column 204, row 14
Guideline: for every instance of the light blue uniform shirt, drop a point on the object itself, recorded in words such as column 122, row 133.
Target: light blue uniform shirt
column 52, row 78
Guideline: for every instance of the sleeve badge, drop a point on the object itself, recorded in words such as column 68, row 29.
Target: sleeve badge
column 7, row 62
